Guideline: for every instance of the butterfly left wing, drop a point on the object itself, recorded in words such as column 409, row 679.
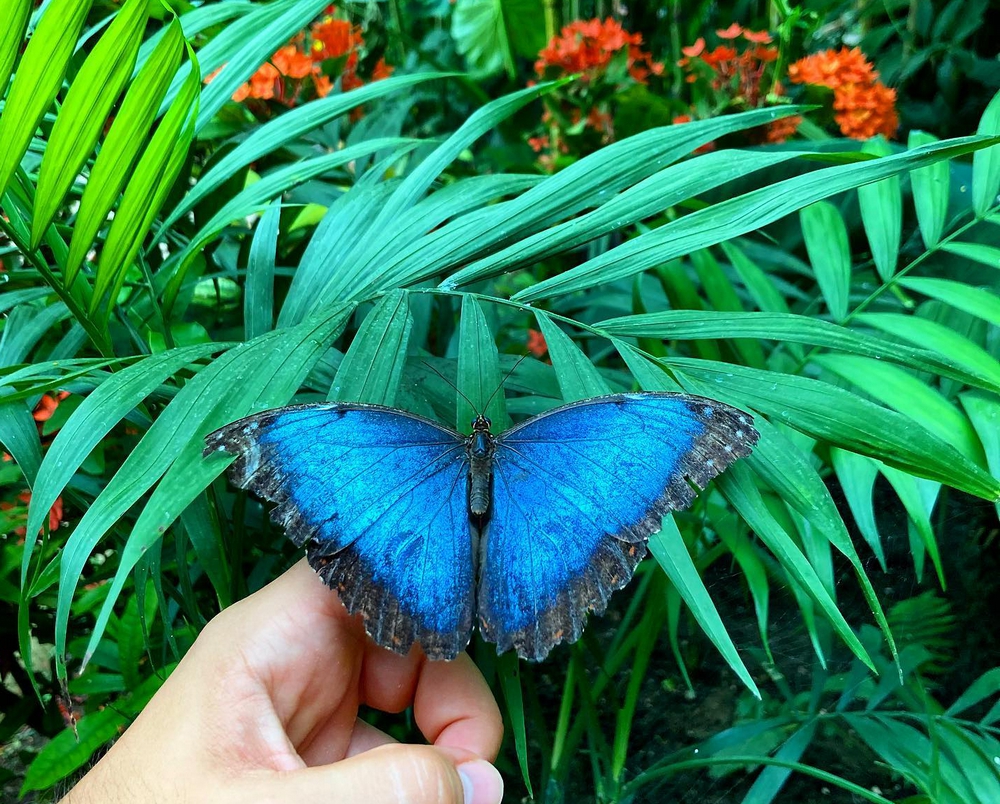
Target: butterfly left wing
column 576, row 492
column 378, row 498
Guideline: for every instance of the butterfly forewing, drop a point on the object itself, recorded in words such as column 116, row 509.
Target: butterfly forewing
column 576, row 493
column 378, row 498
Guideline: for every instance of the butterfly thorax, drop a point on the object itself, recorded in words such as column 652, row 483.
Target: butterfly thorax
column 480, row 448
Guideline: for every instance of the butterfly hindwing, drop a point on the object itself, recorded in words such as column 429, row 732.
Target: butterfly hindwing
column 576, row 492
column 378, row 499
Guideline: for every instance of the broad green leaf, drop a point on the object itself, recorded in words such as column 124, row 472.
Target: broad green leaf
column 882, row 214
column 930, row 192
column 93, row 420
column 986, row 165
column 825, row 235
column 737, row 216
column 261, row 193
column 14, row 16
column 147, row 189
column 258, row 302
column 909, row 395
column 263, row 373
column 979, row 302
column 373, row 367
column 93, row 93
column 19, row 437
column 984, row 413
column 577, row 376
column 783, row 466
column 672, row 555
column 857, row 475
column 987, row 685
column 286, row 128
column 932, row 335
column 768, row 784
column 131, row 635
column 376, row 256
column 122, row 145
column 918, row 497
column 825, row 412
column 722, row 297
column 758, row 284
column 736, row 483
column 978, row 252
column 203, row 531
column 323, row 262
column 256, row 47
column 39, row 77
column 645, row 193
column 71, row 748
column 694, row 324
column 508, row 668
column 195, row 21
column 478, row 371
column 480, row 33
column 349, row 272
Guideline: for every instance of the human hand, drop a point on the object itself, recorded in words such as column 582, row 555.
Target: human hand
column 264, row 709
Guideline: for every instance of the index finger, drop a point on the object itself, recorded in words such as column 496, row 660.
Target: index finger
column 455, row 708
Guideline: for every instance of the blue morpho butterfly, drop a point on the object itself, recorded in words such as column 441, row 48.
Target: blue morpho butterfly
column 424, row 530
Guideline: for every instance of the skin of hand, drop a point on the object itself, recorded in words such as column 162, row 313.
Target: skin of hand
column 264, row 710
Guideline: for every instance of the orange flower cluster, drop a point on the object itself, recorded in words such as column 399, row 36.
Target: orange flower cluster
column 864, row 106
column 738, row 70
column 536, row 343
column 298, row 67
column 19, row 508
column 589, row 46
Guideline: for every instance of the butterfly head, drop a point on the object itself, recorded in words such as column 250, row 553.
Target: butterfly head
column 481, row 424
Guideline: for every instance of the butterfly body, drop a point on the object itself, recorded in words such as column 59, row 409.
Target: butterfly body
column 425, row 531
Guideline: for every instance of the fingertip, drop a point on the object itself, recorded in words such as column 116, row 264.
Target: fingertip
column 481, row 782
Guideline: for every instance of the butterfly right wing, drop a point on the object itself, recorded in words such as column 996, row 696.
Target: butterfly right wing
column 378, row 499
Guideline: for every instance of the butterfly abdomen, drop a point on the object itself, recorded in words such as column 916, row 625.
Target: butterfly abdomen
column 480, row 449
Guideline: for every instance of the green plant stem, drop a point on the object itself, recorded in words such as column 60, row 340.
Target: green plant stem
column 97, row 336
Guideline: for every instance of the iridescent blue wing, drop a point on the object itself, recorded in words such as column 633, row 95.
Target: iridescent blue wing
column 378, row 498
column 576, row 492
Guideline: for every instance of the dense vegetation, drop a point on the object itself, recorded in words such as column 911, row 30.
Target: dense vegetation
column 219, row 206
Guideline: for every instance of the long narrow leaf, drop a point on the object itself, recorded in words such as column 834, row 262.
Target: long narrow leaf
column 94, row 91
column 122, row 145
column 738, row 216
column 39, row 77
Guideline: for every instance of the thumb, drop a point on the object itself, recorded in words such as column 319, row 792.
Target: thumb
column 392, row 774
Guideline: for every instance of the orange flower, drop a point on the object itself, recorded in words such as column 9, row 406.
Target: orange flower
column 864, row 106
column 588, row 46
column 266, row 82
column 536, row 343
column 323, row 85
column 538, row 144
column 20, row 512
column 732, row 32
column 833, row 68
column 781, row 130
column 864, row 111
column 292, row 62
column 696, row 49
column 757, row 37
column 47, row 406
column 333, row 38
column 382, row 70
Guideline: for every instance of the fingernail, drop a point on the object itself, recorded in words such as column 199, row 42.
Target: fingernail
column 481, row 782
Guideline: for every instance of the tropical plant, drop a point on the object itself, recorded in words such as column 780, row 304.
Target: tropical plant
column 292, row 263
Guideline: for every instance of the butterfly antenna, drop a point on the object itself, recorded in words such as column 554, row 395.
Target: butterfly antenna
column 457, row 389
column 506, row 377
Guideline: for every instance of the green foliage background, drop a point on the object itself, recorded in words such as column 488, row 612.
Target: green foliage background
column 848, row 298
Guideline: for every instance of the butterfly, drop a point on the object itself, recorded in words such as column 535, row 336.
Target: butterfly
column 425, row 531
